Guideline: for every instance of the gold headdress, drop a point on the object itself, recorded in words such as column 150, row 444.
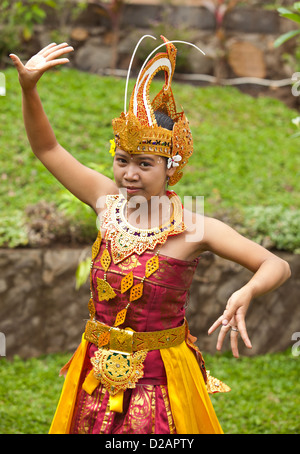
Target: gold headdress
column 136, row 131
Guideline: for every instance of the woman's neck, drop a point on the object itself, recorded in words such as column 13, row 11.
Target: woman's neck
column 148, row 214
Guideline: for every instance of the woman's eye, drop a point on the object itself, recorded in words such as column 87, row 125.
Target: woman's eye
column 145, row 164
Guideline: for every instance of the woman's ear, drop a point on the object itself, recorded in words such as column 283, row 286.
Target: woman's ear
column 170, row 172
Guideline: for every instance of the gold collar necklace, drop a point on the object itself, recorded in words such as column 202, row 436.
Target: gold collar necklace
column 127, row 239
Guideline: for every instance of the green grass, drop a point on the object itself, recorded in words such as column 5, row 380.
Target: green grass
column 244, row 154
column 264, row 398
column 29, row 392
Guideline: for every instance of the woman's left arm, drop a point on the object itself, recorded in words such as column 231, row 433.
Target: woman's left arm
column 269, row 271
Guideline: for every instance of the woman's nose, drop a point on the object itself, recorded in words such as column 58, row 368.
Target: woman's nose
column 131, row 172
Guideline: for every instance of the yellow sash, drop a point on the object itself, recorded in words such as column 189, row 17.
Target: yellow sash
column 191, row 406
column 62, row 420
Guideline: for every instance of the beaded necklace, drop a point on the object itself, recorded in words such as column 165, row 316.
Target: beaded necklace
column 126, row 239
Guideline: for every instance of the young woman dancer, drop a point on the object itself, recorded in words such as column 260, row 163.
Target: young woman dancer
column 136, row 369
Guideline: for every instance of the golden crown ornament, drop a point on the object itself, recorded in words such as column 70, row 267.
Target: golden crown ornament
column 136, row 131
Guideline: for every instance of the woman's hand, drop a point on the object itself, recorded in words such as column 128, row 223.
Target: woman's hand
column 47, row 58
column 233, row 320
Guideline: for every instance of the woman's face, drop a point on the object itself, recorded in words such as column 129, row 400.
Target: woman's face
column 140, row 174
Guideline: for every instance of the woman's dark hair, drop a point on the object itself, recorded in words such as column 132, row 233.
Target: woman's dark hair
column 163, row 120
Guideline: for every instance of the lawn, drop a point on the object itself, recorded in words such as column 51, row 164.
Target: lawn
column 264, row 399
column 245, row 164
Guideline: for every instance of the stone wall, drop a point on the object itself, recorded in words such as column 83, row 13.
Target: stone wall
column 245, row 39
column 41, row 311
column 242, row 47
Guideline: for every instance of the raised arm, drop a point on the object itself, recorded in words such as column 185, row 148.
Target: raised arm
column 86, row 184
column 269, row 271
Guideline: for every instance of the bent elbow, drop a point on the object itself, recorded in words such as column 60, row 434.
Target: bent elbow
column 286, row 270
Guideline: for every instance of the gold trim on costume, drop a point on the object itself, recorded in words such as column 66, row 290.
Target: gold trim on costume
column 214, row 385
column 130, row 263
column 148, row 340
column 126, row 239
column 118, row 371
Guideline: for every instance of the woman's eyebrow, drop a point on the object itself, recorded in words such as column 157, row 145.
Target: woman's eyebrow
column 119, row 153
column 145, row 158
column 136, row 156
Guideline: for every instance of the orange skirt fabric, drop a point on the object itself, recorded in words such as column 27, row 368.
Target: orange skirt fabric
column 191, row 408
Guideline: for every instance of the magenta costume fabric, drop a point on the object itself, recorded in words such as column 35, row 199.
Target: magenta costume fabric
column 146, row 408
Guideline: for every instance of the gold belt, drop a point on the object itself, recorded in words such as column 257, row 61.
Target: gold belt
column 129, row 341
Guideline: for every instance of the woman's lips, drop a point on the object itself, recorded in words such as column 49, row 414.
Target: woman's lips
column 132, row 190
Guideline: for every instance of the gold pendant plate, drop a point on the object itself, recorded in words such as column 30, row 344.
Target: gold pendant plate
column 152, row 265
column 105, row 291
column 103, row 339
column 136, row 292
column 120, row 318
column 91, row 308
column 105, row 260
column 127, row 282
column 118, row 371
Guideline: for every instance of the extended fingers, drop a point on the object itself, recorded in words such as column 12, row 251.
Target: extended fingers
column 215, row 325
column 49, row 57
column 53, row 63
column 53, row 51
column 16, row 61
column 224, row 320
column 46, row 48
column 234, row 334
column 222, row 334
column 243, row 331
column 233, row 320
column 233, row 339
column 236, row 327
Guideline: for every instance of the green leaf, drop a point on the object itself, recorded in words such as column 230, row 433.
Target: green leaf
column 37, row 13
column 296, row 6
column 285, row 37
column 27, row 33
column 292, row 16
column 82, row 272
column 51, row 3
column 284, row 11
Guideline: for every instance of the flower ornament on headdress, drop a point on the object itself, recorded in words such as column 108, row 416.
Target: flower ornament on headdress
column 112, row 149
column 173, row 162
column 137, row 131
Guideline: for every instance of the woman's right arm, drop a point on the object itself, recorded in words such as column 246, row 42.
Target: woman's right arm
column 86, row 184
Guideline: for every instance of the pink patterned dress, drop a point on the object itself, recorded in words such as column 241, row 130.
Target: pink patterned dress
column 146, row 408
